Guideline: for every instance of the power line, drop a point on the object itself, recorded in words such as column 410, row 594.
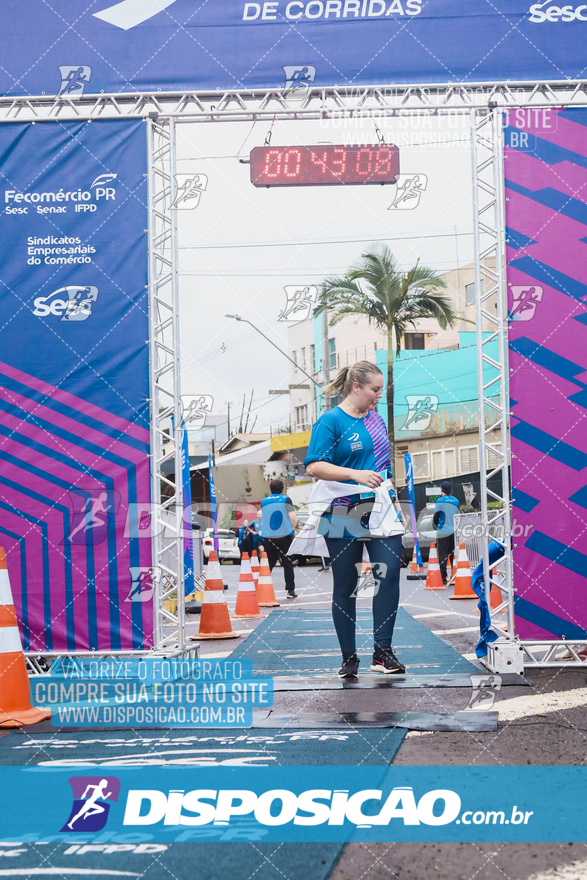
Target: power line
column 279, row 274
column 326, row 241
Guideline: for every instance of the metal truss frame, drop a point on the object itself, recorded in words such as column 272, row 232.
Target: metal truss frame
column 489, row 254
column 508, row 653
column 167, row 528
column 485, row 104
column 236, row 105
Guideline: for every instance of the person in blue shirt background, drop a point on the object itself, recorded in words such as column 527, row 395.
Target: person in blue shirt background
column 279, row 524
column 256, row 528
column 444, row 520
column 349, row 444
column 244, row 537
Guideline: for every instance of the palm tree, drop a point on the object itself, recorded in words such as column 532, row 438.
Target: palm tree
column 392, row 300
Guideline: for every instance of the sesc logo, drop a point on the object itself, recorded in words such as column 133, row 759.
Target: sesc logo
column 76, row 304
column 90, row 802
column 557, row 13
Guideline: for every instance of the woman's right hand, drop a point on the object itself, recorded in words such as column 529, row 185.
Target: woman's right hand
column 368, row 478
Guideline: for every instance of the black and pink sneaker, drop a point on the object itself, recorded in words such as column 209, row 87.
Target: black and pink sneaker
column 385, row 661
column 350, row 667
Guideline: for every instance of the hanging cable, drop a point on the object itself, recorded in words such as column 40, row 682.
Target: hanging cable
column 270, row 132
column 378, row 132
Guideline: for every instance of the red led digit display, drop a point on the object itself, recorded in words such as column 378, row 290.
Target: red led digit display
column 324, row 165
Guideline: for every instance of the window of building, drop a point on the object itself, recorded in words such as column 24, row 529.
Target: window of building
column 469, row 459
column 470, row 291
column 332, row 353
column 493, row 459
column 414, row 341
column 443, row 463
column 313, row 358
column 421, row 465
column 294, row 357
column 303, row 358
column 301, row 416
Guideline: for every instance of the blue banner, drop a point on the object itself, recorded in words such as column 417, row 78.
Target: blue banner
column 74, row 379
column 213, row 505
column 169, row 45
column 412, row 503
column 460, row 804
column 188, row 542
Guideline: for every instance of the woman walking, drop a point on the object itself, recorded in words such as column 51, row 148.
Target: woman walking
column 349, row 445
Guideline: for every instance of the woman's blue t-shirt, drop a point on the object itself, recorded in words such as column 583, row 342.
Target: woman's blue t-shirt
column 358, row 443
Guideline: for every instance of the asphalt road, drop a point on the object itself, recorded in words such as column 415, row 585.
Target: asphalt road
column 545, row 723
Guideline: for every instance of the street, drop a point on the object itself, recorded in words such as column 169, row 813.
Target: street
column 541, row 722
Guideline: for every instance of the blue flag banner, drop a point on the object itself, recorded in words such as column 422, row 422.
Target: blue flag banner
column 412, row 503
column 71, row 49
column 213, row 505
column 74, row 383
column 188, row 543
column 457, row 804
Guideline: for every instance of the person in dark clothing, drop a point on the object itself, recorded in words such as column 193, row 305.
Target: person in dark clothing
column 244, row 537
column 279, row 524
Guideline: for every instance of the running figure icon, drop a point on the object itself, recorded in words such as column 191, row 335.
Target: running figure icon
column 189, row 188
column 423, row 409
column 95, row 513
column 409, row 191
column 525, row 301
column 74, row 79
column 91, row 807
column 299, row 302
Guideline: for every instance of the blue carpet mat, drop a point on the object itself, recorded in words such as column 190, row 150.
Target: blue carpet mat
column 235, row 747
column 213, row 853
column 304, row 642
column 213, row 860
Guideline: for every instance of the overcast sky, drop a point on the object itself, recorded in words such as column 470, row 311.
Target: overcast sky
column 242, row 244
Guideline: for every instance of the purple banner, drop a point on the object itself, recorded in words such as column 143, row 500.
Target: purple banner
column 74, row 391
column 546, row 218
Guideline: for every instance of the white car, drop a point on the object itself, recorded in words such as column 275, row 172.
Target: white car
column 227, row 549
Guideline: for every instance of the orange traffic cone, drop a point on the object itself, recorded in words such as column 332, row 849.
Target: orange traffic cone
column 255, row 567
column 247, row 604
column 15, row 700
column 416, row 571
column 463, row 589
column 415, row 568
column 214, row 616
column 494, row 597
column 433, row 578
column 265, row 591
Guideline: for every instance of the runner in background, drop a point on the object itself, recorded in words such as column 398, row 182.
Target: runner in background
column 279, row 524
column 444, row 520
column 256, row 528
column 349, row 444
column 244, row 538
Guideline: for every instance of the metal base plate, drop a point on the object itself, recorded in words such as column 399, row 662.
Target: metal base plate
column 457, row 721
column 379, row 682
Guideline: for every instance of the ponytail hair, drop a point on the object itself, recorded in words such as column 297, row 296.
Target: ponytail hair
column 347, row 376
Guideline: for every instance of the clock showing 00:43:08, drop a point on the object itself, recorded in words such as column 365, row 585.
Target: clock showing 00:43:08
column 324, row 165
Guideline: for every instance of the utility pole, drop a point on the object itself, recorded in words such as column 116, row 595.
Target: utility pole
column 325, row 360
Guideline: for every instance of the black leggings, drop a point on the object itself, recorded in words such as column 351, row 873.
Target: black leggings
column 345, row 555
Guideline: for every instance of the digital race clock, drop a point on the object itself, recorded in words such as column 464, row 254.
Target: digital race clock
column 324, row 165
